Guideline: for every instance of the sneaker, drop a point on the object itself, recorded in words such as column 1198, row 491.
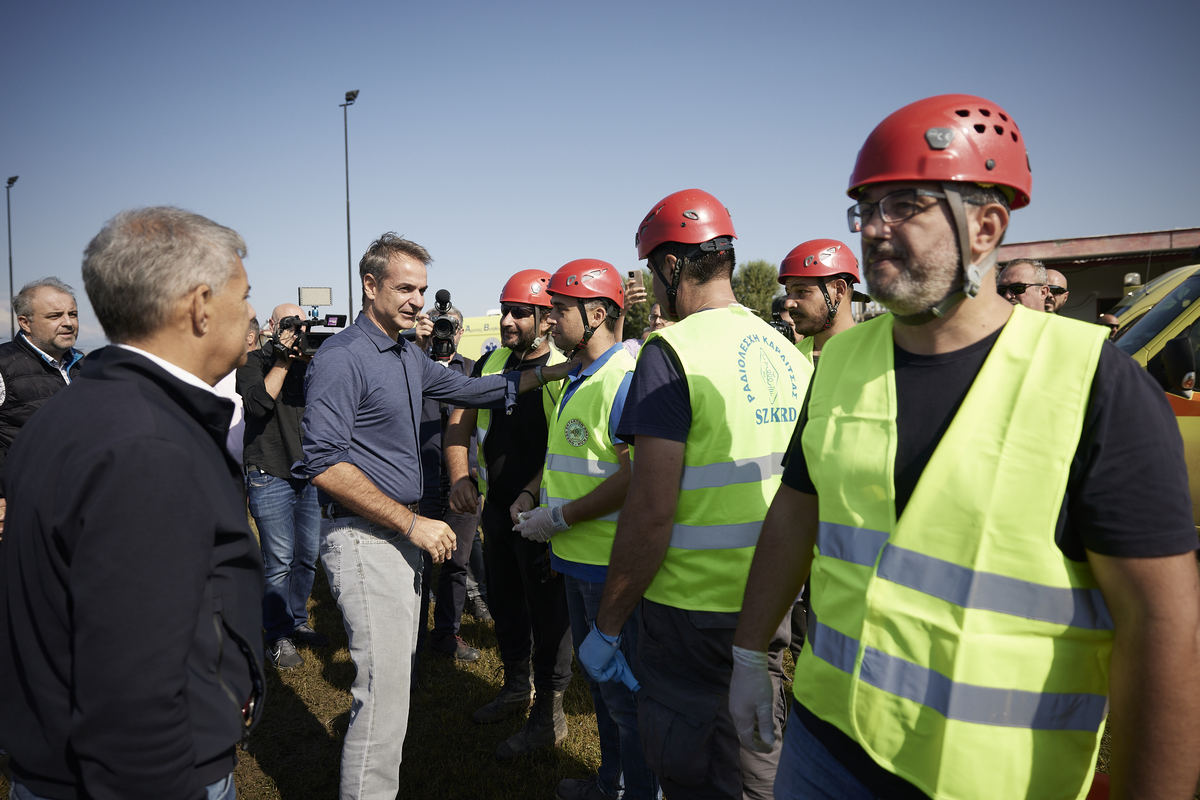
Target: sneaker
column 458, row 650
column 478, row 609
column 581, row 789
column 283, row 655
column 512, row 700
column 307, row 637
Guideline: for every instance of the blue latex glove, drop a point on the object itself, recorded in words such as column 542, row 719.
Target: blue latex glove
column 601, row 656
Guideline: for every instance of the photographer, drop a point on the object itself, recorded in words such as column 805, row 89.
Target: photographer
column 285, row 509
column 454, row 582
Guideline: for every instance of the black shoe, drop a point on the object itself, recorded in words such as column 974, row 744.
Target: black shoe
column 283, row 655
column 305, row 636
column 478, row 609
column 457, row 649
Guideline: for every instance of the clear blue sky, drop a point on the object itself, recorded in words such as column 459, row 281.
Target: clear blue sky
column 511, row 135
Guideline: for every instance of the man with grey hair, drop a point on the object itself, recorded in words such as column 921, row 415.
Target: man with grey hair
column 40, row 361
column 1023, row 282
column 364, row 391
column 130, row 583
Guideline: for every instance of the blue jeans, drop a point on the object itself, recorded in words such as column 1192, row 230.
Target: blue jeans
column 808, row 770
column 289, row 521
column 616, row 706
column 218, row 790
column 375, row 576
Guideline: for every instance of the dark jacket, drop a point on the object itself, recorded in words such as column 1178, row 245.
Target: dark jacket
column 29, row 381
column 130, row 589
column 272, row 438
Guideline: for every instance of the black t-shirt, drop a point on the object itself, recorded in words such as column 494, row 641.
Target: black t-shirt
column 272, row 437
column 658, row 403
column 515, row 447
column 1127, row 490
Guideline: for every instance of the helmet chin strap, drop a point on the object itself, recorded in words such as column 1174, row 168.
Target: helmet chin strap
column 588, row 330
column 672, row 285
column 972, row 273
column 829, row 304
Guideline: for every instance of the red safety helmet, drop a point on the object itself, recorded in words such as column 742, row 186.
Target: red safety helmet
column 951, row 137
column 529, row 287
column 691, row 216
column 587, row 279
column 819, row 258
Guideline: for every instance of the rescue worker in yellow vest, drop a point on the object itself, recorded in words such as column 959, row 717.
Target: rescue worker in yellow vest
column 710, row 410
column 994, row 506
column 819, row 277
column 582, row 487
column 526, row 595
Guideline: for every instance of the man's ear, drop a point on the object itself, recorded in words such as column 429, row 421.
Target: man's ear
column 370, row 288
column 197, row 303
column 987, row 229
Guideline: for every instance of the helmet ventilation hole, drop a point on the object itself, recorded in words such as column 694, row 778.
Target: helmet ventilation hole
column 998, row 129
column 985, row 112
column 980, row 128
column 962, row 112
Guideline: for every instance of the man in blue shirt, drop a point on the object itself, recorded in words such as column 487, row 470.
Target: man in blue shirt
column 361, row 450
column 582, row 486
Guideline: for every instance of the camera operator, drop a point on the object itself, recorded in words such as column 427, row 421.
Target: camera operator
column 453, row 583
column 285, row 509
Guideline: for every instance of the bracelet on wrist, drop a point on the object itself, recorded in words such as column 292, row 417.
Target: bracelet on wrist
column 531, row 496
column 537, row 373
column 411, row 526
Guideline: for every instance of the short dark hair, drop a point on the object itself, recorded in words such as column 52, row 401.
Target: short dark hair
column 699, row 265
column 611, row 312
column 379, row 254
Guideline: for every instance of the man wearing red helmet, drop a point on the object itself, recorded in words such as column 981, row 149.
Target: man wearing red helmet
column 982, row 590
column 525, row 594
column 711, row 406
column 819, row 276
column 582, row 486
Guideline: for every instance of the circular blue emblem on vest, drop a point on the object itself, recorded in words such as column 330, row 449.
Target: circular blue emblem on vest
column 576, row 433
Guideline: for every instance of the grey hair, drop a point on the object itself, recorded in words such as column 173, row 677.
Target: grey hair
column 22, row 304
column 375, row 261
column 458, row 315
column 1039, row 269
column 144, row 260
column 255, row 328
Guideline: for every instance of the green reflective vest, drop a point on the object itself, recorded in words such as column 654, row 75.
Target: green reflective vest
column 805, row 346
column 494, row 362
column 746, row 384
column 958, row 645
column 580, row 456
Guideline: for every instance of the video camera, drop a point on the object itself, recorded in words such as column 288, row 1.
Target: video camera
column 445, row 326
column 306, row 340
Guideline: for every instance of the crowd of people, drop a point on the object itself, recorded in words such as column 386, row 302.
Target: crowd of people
column 969, row 522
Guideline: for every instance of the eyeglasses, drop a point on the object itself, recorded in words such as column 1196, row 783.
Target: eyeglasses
column 1056, row 290
column 1015, row 289
column 515, row 311
column 893, row 207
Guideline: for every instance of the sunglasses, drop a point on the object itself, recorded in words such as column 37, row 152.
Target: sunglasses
column 1056, row 290
column 1015, row 289
column 515, row 311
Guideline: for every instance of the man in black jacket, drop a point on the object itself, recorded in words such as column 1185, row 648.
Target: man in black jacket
column 39, row 362
column 130, row 583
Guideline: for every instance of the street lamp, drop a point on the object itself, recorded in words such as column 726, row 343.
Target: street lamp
column 12, row 315
column 350, row 98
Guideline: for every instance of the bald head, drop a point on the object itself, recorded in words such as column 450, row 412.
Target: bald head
column 1056, row 285
column 284, row 311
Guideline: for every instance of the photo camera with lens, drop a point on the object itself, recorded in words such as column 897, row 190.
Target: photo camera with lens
column 445, row 326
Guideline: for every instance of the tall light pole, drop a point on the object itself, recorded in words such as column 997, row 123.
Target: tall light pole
column 350, row 97
column 12, row 318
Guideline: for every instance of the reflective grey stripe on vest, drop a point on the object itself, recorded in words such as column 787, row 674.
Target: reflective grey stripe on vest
column 962, row 586
column 715, row 537
column 959, row 701
column 547, row 500
column 1080, row 608
column 728, row 473
column 574, row 465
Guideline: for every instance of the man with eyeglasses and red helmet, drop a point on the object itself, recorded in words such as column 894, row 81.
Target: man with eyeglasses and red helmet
column 983, row 588
column 819, row 277
column 709, row 413
column 1023, row 282
column 582, row 487
column 525, row 595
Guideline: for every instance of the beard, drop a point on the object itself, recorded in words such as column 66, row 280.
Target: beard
column 518, row 340
column 918, row 285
